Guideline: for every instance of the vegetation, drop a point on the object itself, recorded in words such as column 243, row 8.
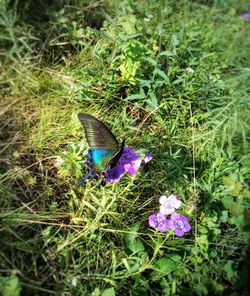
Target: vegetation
column 172, row 77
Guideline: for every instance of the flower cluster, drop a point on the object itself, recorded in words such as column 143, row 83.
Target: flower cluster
column 178, row 223
column 130, row 161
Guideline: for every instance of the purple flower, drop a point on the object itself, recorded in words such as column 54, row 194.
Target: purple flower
column 128, row 156
column 159, row 222
column 169, row 204
column 179, row 224
column 130, row 160
column 133, row 167
column 114, row 175
column 148, row 157
column 246, row 16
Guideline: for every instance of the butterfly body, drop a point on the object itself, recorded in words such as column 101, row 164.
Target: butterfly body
column 104, row 151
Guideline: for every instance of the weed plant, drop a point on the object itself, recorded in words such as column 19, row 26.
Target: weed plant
column 172, row 78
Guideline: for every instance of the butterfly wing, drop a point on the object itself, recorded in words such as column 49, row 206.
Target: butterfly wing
column 98, row 135
column 103, row 144
column 117, row 156
column 101, row 159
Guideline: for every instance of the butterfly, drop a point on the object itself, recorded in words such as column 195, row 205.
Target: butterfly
column 104, row 152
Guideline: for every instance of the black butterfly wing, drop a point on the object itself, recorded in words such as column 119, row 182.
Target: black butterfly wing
column 98, row 135
column 117, row 156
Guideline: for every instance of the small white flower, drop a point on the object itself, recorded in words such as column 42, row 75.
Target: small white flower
column 169, row 204
column 148, row 18
column 74, row 281
column 190, row 70
column 58, row 161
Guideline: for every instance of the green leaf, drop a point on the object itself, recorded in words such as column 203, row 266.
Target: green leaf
column 224, row 216
column 229, row 270
column 174, row 41
column 234, row 186
column 237, row 189
column 137, row 247
column 134, row 265
column 144, row 83
column 152, row 103
column 108, row 292
column 129, row 237
column 177, row 81
column 151, row 61
column 128, row 70
column 96, row 292
column 132, row 244
column 200, row 289
column 167, row 53
column 128, row 23
column 166, row 265
column 136, row 97
column 202, row 241
column 228, row 181
column 227, row 202
column 238, row 220
column 10, row 286
column 236, row 209
column 162, row 75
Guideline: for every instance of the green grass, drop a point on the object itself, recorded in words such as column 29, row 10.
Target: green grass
column 172, row 77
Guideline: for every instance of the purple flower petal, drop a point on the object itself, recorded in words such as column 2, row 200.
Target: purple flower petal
column 246, row 16
column 187, row 226
column 133, row 167
column 179, row 224
column 114, row 175
column 128, row 156
column 148, row 157
column 164, row 226
column 152, row 220
column 159, row 222
column 129, row 161
column 179, row 232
